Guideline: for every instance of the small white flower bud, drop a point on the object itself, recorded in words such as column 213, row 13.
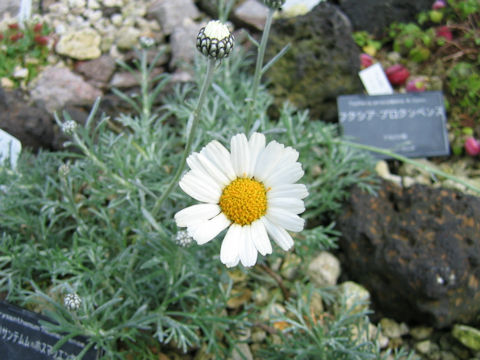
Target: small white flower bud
column 146, row 42
column 68, row 127
column 183, row 239
column 215, row 40
column 63, row 170
column 72, row 302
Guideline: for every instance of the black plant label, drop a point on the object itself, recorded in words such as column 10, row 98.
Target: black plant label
column 23, row 337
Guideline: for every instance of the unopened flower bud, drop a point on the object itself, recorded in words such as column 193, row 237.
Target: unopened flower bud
column 417, row 84
column 68, row 127
column 72, row 302
column 397, row 74
column 444, row 32
column 439, row 4
column 146, row 42
column 472, row 146
column 365, row 60
column 63, row 170
column 41, row 40
column 215, row 40
column 183, row 239
column 274, row 4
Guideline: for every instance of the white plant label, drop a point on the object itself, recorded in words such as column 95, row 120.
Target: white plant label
column 10, row 148
column 375, row 81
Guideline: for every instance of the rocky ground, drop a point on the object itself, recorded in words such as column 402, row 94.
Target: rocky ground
column 89, row 37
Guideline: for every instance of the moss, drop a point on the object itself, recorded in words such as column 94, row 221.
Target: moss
column 321, row 65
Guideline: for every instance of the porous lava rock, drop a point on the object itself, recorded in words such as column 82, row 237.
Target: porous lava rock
column 375, row 16
column 28, row 122
column 321, row 64
column 417, row 250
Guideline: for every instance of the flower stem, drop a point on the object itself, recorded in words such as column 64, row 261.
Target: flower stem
column 258, row 69
column 404, row 159
column 190, row 136
column 146, row 105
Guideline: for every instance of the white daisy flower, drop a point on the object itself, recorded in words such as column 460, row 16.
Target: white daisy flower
column 251, row 191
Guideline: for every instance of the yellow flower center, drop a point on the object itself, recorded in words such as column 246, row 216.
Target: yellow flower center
column 243, row 201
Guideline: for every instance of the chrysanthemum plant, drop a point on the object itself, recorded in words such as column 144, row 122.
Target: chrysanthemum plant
column 128, row 236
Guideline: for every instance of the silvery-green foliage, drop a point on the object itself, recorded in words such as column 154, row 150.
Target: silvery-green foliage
column 342, row 336
column 93, row 231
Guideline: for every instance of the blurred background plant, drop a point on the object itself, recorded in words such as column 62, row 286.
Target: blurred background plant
column 24, row 50
column 441, row 49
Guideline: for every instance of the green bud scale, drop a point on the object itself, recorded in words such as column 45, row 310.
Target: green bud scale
column 274, row 4
column 215, row 40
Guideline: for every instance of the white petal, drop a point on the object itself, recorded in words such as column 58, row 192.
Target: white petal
column 213, row 170
column 196, row 162
column 256, row 144
column 298, row 191
column 290, row 154
column 233, row 263
column 275, row 156
column 196, row 213
column 285, row 218
column 279, row 235
column 287, row 174
column 240, row 155
column 197, row 187
column 260, row 238
column 229, row 253
column 268, row 159
column 220, row 156
column 206, row 231
column 248, row 252
column 293, row 205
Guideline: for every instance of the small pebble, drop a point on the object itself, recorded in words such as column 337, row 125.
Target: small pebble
column 424, row 346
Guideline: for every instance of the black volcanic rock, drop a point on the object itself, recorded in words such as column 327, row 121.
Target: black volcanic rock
column 417, row 250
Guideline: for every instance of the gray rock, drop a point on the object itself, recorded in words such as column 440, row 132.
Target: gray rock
column 81, row 45
column 125, row 79
column 28, row 122
column 252, row 12
column 421, row 332
column 423, row 347
column 210, row 7
column 375, row 16
column 171, row 14
column 417, row 250
column 181, row 76
column 127, row 38
column 57, row 86
column 392, row 329
column 446, row 355
column 322, row 63
column 10, row 6
column 98, row 70
column 182, row 44
column 324, row 270
column 355, row 296
column 258, row 336
column 242, row 352
column 290, row 266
